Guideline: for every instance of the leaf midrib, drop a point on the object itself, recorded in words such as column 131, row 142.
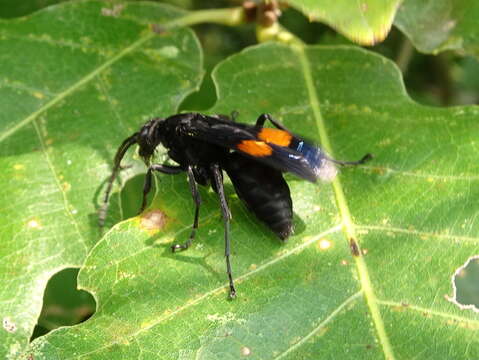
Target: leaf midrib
column 343, row 208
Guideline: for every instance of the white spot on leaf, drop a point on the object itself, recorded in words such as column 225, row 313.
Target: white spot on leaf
column 34, row 224
column 324, row 244
column 245, row 351
column 9, row 325
column 169, row 51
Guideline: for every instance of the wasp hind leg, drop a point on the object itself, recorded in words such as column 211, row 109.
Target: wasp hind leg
column 197, row 199
column 262, row 119
column 218, row 178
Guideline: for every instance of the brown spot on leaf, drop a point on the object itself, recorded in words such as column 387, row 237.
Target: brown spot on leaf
column 354, row 247
column 153, row 220
column 158, row 29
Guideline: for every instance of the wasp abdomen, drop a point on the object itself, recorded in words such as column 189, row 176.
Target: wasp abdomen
column 264, row 191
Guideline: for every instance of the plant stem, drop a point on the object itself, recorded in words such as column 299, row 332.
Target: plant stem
column 229, row 16
column 276, row 32
column 233, row 17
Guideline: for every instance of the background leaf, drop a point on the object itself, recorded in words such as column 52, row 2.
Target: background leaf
column 75, row 79
column 434, row 26
column 413, row 211
column 365, row 22
column 13, row 8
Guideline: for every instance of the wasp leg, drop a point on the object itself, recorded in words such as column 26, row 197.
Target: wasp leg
column 197, row 199
column 361, row 161
column 146, row 189
column 165, row 169
column 120, row 153
column 262, row 119
column 226, row 217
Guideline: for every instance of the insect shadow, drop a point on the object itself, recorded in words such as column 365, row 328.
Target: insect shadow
column 209, row 233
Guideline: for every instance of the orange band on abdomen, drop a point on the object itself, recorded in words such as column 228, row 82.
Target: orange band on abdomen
column 275, row 136
column 255, row 148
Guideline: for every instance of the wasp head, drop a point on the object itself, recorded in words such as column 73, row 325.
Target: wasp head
column 148, row 138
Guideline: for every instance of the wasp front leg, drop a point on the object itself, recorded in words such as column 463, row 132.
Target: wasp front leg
column 197, row 199
column 165, row 169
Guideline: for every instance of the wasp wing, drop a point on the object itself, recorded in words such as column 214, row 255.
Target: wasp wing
column 274, row 147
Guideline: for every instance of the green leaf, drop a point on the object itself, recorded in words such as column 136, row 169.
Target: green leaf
column 412, row 210
column 14, row 8
column 366, row 22
column 75, row 80
column 438, row 25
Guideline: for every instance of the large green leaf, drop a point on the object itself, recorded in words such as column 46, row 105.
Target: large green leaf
column 75, row 80
column 437, row 25
column 365, row 22
column 14, row 8
column 413, row 212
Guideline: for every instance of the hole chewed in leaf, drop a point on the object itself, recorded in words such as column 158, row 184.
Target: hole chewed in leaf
column 153, row 221
column 465, row 286
column 63, row 304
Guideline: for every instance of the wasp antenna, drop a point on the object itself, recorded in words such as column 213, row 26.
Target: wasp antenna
column 363, row 160
column 120, row 153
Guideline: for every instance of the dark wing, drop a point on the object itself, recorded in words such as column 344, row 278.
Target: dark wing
column 273, row 147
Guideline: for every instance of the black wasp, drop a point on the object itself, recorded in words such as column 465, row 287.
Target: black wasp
column 254, row 157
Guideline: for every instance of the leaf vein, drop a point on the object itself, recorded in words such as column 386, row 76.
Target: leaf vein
column 419, row 233
column 387, row 170
column 61, row 43
column 60, row 188
column 427, row 311
column 321, row 325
